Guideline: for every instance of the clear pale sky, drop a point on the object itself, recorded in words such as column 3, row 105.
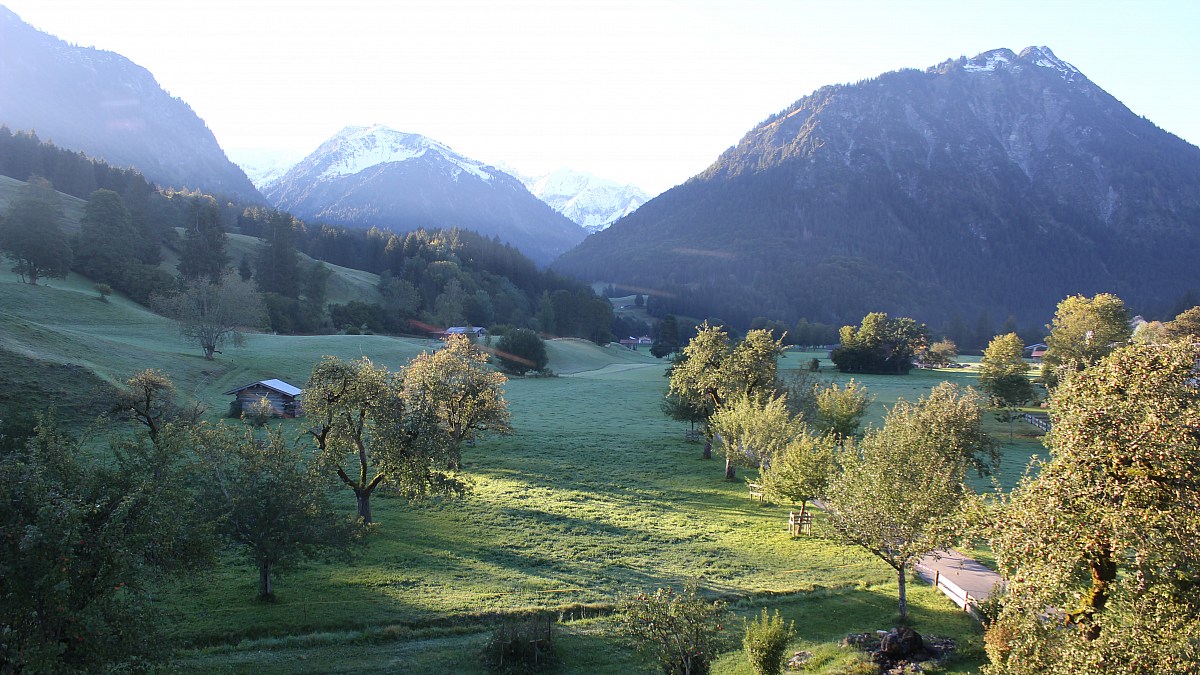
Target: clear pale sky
column 642, row 91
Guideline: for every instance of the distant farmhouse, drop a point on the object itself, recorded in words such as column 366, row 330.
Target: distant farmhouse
column 283, row 397
column 635, row 342
column 469, row 331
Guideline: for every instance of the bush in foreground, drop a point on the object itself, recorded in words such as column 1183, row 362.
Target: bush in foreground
column 766, row 642
column 681, row 630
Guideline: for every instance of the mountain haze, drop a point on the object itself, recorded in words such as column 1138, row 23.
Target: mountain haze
column 110, row 108
column 375, row 176
column 998, row 183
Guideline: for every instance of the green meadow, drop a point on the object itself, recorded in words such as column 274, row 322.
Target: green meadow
column 596, row 495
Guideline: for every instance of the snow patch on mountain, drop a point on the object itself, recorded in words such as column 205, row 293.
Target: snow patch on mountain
column 591, row 201
column 1043, row 57
column 356, row 149
column 988, row 61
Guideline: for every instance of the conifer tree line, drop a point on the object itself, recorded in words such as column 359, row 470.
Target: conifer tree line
column 429, row 279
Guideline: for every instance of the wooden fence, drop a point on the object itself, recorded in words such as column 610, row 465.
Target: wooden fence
column 1038, row 421
column 952, row 590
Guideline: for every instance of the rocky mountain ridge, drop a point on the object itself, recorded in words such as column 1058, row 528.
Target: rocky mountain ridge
column 999, row 183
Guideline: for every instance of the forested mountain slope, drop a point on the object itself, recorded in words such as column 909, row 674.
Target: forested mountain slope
column 1002, row 182
column 106, row 106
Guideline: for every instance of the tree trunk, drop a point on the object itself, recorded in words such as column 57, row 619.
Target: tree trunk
column 1104, row 572
column 265, row 592
column 208, row 351
column 364, row 504
column 903, row 593
column 707, row 448
column 730, row 469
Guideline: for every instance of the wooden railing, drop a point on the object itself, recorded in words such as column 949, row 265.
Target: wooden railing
column 953, row 591
column 1038, row 421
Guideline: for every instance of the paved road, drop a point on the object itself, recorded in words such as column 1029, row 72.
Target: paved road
column 967, row 574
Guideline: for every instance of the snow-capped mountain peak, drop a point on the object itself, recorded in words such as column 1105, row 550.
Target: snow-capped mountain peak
column 355, row 149
column 1042, row 56
column 593, row 202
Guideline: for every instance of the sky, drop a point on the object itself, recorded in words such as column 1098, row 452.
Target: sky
column 642, row 91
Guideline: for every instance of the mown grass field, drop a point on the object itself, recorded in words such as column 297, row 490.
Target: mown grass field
column 596, row 495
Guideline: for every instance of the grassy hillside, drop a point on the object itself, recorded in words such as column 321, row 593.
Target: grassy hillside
column 594, row 496
column 72, row 206
column 78, row 343
column 344, row 285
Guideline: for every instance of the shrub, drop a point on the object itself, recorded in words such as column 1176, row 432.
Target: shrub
column 520, row 351
column 682, row 631
column 520, row 646
column 103, row 291
column 259, row 412
column 766, row 642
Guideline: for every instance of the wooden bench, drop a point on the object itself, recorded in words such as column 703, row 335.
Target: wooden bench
column 692, row 435
column 799, row 523
column 756, row 491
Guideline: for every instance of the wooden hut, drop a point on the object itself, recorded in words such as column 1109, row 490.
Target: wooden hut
column 283, row 397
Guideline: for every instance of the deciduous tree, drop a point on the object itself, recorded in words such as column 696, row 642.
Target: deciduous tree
column 712, row 370
column 268, row 502
column 900, row 483
column 105, row 234
column 753, row 430
column 213, row 314
column 361, row 419
column 1098, row 547
column 839, row 410
column 800, row 473
column 940, row 354
column 461, row 391
column 520, row 351
column 83, row 549
column 1083, row 331
column 1186, row 325
column 880, row 345
column 31, row 233
column 1003, row 375
column 681, row 630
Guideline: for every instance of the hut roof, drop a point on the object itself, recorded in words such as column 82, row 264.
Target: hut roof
column 278, row 385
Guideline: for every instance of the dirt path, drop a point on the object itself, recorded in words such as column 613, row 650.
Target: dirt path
column 610, row 369
column 969, row 575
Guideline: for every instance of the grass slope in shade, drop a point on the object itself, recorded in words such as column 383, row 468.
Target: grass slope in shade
column 822, row 618
column 10, row 189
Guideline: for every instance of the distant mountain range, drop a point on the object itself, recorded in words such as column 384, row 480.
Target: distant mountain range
column 376, row 176
column 108, row 107
column 591, row 201
column 999, row 183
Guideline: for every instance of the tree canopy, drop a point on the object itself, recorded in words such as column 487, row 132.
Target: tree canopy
column 900, row 484
column 1083, row 331
column 31, row 233
column 1103, row 536
column 1003, row 375
column 458, row 387
column 880, row 345
column 710, row 372
column 211, row 314
column 362, row 420
column 268, row 501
